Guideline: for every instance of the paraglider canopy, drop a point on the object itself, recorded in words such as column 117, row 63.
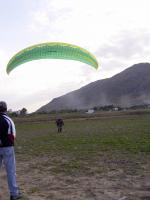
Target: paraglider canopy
column 52, row 50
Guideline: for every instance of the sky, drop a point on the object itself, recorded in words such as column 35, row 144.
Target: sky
column 117, row 32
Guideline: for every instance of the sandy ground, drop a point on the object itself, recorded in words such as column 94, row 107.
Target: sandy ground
column 39, row 182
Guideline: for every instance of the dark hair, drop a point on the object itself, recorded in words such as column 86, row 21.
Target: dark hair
column 3, row 106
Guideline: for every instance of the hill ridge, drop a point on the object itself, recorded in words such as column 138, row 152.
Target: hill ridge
column 127, row 88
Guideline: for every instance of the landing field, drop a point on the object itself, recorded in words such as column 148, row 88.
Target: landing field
column 100, row 156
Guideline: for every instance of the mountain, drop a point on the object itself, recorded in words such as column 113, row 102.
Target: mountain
column 128, row 88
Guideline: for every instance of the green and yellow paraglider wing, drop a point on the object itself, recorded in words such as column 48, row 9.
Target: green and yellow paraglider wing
column 52, row 50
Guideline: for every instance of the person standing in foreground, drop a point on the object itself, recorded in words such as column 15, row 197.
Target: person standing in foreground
column 7, row 155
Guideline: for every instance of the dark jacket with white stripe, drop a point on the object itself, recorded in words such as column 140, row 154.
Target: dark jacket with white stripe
column 7, row 131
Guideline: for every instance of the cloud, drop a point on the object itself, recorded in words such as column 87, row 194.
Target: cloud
column 122, row 50
column 47, row 15
column 126, row 45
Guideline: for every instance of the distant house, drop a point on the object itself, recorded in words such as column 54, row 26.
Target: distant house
column 90, row 111
column 115, row 108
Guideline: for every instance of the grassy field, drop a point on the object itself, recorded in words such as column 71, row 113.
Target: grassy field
column 101, row 156
column 85, row 139
column 85, row 136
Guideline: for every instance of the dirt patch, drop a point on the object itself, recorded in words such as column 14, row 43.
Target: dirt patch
column 107, row 177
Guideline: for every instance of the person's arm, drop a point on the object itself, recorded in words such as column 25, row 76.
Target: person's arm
column 11, row 129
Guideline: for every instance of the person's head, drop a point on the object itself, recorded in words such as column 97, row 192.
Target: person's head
column 3, row 106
